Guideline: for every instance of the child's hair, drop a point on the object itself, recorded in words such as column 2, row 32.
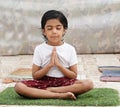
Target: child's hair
column 54, row 14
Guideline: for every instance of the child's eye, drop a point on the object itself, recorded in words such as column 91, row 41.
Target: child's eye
column 49, row 28
column 58, row 28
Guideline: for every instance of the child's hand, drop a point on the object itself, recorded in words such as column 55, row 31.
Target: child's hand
column 54, row 58
column 52, row 63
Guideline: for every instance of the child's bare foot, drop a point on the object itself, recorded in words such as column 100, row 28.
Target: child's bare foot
column 68, row 95
column 71, row 95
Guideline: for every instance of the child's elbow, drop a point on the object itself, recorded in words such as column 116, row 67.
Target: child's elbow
column 74, row 76
column 35, row 77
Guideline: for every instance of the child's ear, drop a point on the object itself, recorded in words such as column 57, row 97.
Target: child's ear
column 43, row 31
column 65, row 31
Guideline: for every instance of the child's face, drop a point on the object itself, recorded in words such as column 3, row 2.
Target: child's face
column 54, row 31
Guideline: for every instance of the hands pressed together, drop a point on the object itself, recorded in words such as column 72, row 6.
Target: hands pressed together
column 54, row 59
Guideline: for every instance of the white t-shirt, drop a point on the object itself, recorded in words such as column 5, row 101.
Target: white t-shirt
column 66, row 54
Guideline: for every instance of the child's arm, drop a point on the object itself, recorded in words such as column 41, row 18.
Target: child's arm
column 38, row 72
column 70, row 72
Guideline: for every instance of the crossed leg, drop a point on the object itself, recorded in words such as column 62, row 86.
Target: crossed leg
column 79, row 87
column 29, row 92
column 64, row 92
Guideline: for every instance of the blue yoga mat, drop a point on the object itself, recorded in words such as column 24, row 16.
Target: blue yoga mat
column 110, row 73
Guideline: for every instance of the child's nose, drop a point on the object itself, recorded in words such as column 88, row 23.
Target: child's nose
column 54, row 30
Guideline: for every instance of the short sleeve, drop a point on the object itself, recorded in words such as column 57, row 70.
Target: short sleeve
column 73, row 57
column 36, row 57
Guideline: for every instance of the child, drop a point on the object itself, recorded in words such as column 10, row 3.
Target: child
column 54, row 67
